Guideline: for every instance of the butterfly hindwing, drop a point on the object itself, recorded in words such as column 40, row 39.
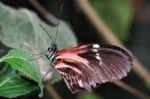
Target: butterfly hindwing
column 85, row 66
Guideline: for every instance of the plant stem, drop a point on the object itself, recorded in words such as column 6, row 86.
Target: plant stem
column 52, row 92
column 131, row 89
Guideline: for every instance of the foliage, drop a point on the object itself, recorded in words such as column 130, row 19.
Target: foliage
column 90, row 96
column 11, row 85
column 117, row 14
column 20, row 29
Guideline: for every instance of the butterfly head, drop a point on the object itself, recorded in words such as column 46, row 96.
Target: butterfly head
column 53, row 47
column 52, row 50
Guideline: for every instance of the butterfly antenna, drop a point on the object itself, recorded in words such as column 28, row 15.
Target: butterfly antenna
column 46, row 32
column 36, row 58
column 40, row 53
column 60, row 10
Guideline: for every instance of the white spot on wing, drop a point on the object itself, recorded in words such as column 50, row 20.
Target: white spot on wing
column 95, row 50
column 99, row 58
column 97, row 54
column 80, row 83
column 96, row 46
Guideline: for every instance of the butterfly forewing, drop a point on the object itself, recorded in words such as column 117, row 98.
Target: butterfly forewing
column 87, row 65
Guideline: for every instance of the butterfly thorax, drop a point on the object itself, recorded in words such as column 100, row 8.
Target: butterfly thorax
column 52, row 50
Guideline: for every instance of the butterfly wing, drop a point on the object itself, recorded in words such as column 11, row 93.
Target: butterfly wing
column 84, row 66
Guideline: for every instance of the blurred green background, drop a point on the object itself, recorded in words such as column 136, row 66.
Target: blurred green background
column 128, row 19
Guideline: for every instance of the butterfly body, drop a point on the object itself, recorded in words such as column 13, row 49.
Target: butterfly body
column 85, row 66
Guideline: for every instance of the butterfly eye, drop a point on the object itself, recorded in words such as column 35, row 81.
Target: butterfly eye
column 52, row 48
column 49, row 49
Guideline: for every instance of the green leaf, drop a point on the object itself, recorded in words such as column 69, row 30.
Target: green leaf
column 117, row 14
column 19, row 60
column 11, row 85
column 89, row 96
column 20, row 29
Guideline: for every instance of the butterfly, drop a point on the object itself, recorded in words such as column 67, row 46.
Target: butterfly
column 85, row 66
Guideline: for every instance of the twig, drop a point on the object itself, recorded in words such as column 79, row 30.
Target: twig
column 102, row 28
column 131, row 90
column 52, row 92
column 44, row 12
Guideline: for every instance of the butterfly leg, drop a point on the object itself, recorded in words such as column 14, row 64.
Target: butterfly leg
column 40, row 53
column 50, row 69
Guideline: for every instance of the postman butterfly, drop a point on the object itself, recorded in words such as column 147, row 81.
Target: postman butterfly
column 85, row 66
